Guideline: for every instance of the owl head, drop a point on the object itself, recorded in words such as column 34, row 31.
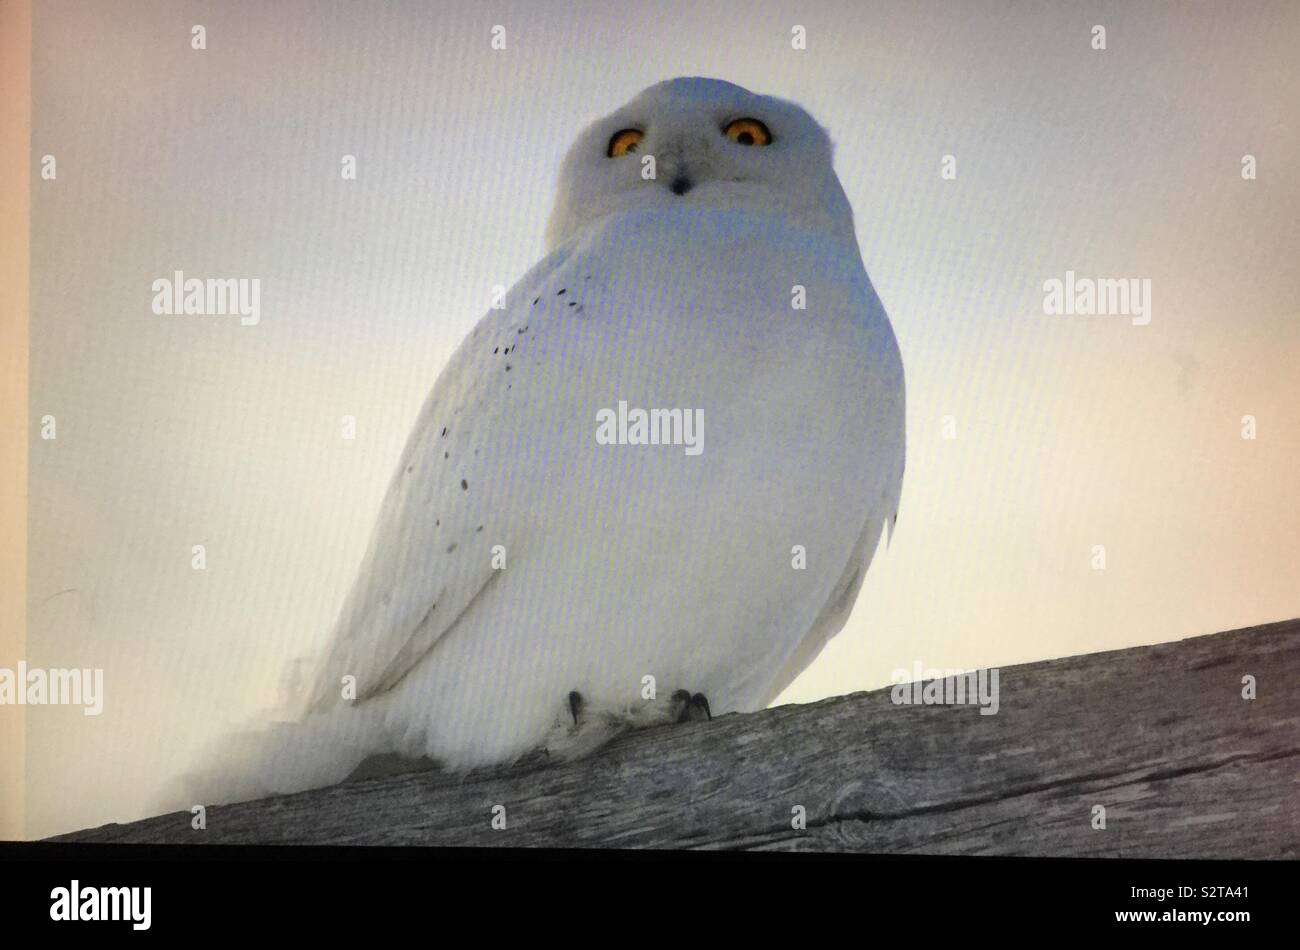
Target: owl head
column 691, row 144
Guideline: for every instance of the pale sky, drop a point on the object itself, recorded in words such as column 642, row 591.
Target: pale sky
column 1071, row 431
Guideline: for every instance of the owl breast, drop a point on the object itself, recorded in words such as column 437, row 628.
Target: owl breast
column 701, row 548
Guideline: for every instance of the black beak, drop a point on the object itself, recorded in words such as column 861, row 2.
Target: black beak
column 681, row 184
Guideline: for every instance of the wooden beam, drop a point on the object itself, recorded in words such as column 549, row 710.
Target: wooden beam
column 1160, row 737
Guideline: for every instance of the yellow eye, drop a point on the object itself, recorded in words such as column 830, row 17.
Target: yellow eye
column 624, row 142
column 748, row 132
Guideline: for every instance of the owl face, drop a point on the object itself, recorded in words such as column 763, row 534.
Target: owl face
column 692, row 144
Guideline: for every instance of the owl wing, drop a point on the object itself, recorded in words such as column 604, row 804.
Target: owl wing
column 411, row 587
column 891, row 453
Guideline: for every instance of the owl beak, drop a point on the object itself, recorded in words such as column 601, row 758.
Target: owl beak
column 675, row 171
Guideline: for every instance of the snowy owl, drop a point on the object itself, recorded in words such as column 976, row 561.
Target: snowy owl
column 645, row 489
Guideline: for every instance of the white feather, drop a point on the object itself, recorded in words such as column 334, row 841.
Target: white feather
column 627, row 565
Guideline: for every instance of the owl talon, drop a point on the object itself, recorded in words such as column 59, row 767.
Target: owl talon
column 680, row 705
column 688, row 708
column 700, row 705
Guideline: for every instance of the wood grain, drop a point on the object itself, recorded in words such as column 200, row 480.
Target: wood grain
column 1159, row 736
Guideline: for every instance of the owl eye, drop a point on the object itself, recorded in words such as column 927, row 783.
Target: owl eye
column 624, row 142
column 748, row 132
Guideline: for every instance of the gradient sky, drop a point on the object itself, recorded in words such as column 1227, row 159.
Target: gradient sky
column 1071, row 431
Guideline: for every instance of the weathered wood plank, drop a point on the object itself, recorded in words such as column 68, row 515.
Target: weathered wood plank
column 1160, row 736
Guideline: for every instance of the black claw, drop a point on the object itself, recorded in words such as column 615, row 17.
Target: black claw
column 681, row 705
column 698, row 704
column 575, row 705
column 688, row 708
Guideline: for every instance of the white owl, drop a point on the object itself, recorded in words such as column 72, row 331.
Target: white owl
column 529, row 584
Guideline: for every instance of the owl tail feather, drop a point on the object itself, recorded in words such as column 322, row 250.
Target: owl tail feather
column 279, row 758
